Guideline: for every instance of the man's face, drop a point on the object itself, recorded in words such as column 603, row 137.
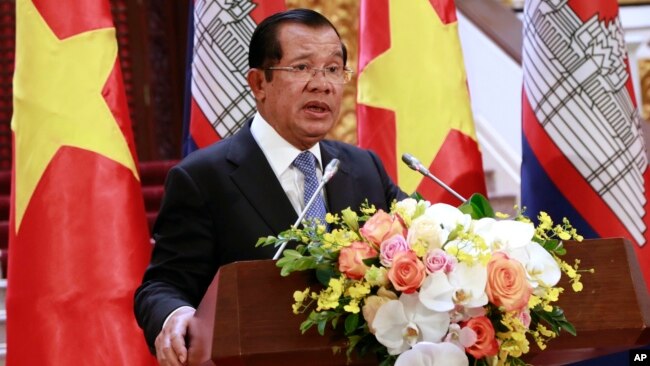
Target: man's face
column 301, row 111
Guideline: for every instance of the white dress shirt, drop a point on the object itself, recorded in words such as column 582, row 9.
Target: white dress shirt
column 280, row 154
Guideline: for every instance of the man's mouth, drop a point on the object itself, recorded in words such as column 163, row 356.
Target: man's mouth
column 317, row 107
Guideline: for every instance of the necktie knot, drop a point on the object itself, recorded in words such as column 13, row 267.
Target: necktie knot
column 306, row 163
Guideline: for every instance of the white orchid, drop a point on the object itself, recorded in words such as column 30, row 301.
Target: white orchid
column 504, row 234
column 462, row 288
column 541, row 267
column 449, row 217
column 433, row 354
column 400, row 324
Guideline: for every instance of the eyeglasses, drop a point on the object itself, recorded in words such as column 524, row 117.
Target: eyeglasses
column 304, row 73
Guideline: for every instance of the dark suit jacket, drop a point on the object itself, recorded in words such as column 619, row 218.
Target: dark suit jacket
column 220, row 200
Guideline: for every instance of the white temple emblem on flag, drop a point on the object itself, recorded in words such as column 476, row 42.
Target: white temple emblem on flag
column 575, row 80
column 220, row 62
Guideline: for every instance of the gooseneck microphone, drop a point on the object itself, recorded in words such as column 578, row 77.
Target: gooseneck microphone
column 415, row 164
column 329, row 172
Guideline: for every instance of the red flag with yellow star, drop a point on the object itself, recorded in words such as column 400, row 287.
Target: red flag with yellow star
column 412, row 96
column 78, row 239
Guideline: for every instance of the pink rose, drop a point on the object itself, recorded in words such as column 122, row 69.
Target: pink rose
column 380, row 227
column 390, row 247
column 351, row 259
column 438, row 260
column 486, row 343
column 507, row 285
column 407, row 272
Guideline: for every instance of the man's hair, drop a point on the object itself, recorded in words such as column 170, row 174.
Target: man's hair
column 265, row 50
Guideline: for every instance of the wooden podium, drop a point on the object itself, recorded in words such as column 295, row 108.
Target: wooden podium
column 245, row 317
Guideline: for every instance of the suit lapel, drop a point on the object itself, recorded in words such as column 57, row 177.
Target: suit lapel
column 340, row 189
column 258, row 183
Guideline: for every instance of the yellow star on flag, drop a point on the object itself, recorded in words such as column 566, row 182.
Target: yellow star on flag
column 421, row 77
column 58, row 100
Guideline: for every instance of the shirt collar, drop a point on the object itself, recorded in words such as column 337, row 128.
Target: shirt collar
column 278, row 151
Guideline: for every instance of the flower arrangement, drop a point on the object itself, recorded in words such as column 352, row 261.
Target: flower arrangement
column 433, row 284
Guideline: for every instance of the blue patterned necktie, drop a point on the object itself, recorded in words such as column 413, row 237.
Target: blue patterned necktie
column 306, row 163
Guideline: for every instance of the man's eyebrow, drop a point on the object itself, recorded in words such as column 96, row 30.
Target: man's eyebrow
column 305, row 55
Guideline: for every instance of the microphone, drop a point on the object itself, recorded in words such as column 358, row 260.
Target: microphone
column 415, row 164
column 330, row 170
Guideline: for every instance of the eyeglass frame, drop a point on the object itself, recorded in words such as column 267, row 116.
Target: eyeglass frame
column 347, row 72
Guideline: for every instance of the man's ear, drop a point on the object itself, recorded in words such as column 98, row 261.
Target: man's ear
column 257, row 83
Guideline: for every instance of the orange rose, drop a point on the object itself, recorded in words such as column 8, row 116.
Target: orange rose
column 407, row 273
column 486, row 343
column 507, row 285
column 380, row 227
column 351, row 259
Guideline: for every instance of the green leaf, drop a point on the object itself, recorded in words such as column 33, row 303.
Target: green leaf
column 477, row 206
column 305, row 325
column 416, row 196
column 305, row 263
column 324, row 273
column 322, row 323
column 569, row 328
column 554, row 246
column 290, row 253
column 370, row 261
column 351, row 323
column 335, row 321
column 269, row 240
column 554, row 318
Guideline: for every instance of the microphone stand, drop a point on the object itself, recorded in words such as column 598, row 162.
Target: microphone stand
column 330, row 170
column 415, row 164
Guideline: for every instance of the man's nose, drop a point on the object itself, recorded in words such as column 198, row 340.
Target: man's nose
column 319, row 80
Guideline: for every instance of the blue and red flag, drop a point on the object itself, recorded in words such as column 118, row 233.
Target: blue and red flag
column 584, row 155
column 219, row 101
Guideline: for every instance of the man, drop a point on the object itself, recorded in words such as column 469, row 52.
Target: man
column 221, row 199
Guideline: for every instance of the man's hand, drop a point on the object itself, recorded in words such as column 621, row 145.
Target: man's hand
column 171, row 349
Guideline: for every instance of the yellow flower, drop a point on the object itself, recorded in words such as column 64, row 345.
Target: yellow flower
column 552, row 294
column 352, row 307
column 501, row 215
column 331, row 219
column 329, row 297
column 545, row 332
column 419, row 248
column 338, row 238
column 320, row 229
column 545, row 221
column 564, row 235
column 359, row 290
column 577, row 285
column 376, row 276
column 513, row 342
column 369, row 210
column 533, row 301
column 351, row 219
column 299, row 298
